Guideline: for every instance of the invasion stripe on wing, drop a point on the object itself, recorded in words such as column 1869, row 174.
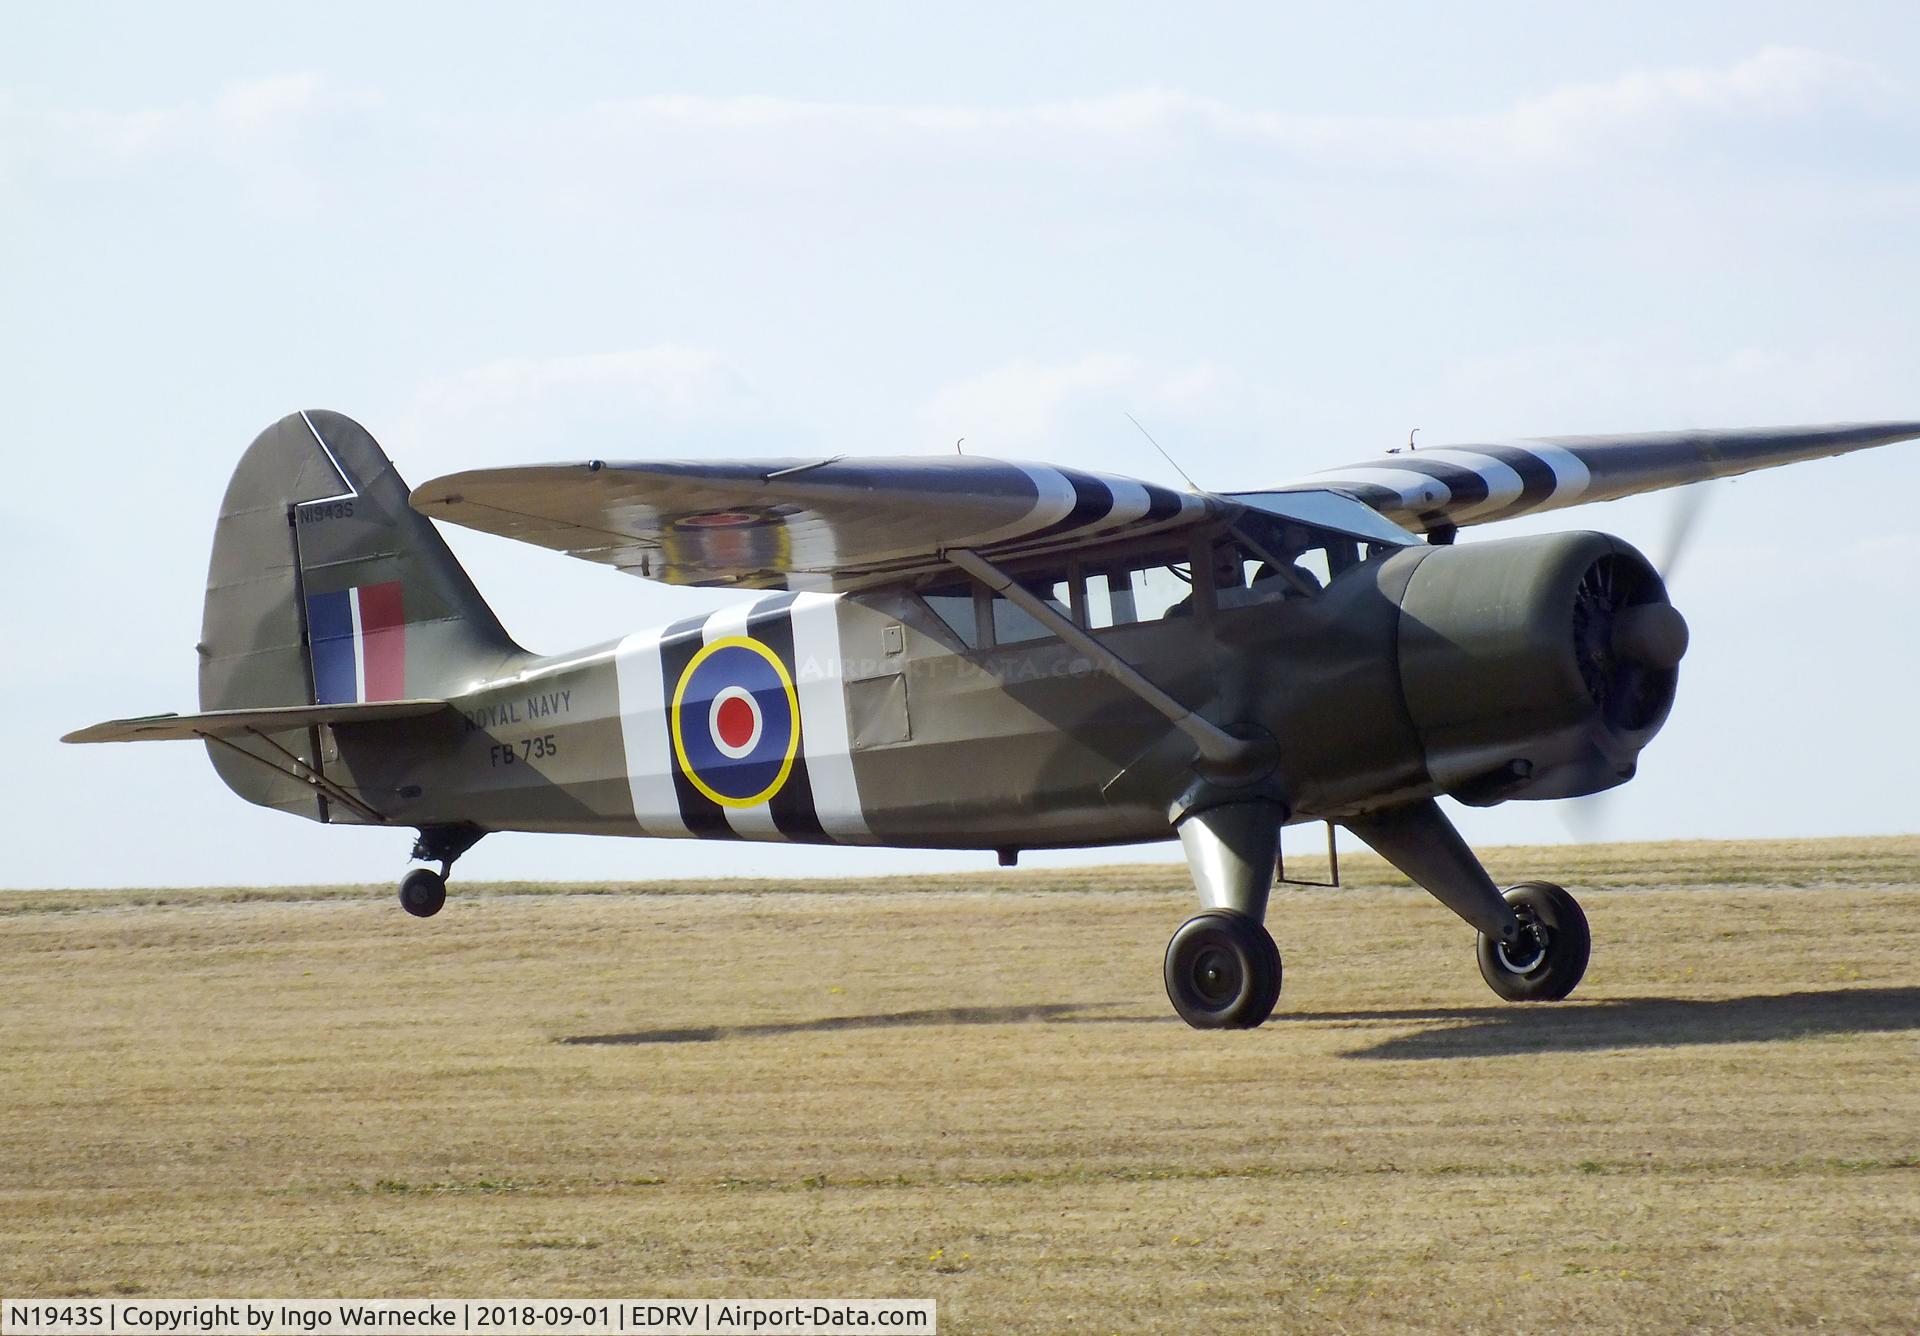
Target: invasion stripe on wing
column 1499, row 483
column 1054, row 499
column 1071, row 501
column 1466, row 482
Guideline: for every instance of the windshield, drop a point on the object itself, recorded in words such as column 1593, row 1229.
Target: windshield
column 1328, row 510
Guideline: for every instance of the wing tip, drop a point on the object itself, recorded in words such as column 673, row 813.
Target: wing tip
column 119, row 730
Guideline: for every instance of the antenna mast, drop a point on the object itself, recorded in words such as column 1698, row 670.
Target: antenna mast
column 1192, row 486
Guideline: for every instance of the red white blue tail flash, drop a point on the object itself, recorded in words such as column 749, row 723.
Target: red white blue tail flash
column 359, row 641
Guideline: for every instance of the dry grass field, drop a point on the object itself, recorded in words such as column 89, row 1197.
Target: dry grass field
column 972, row 1088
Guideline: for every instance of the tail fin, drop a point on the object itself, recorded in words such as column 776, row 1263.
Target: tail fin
column 327, row 588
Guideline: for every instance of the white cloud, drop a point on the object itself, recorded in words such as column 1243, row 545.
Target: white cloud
column 1639, row 114
column 664, row 398
column 1563, row 125
column 242, row 114
column 256, row 106
column 681, row 384
column 1056, row 409
column 1020, row 403
column 267, row 135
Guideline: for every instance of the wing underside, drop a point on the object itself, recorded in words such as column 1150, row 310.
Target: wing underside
column 802, row 524
column 1458, row 485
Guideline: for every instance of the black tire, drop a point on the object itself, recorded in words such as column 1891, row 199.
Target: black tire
column 1222, row 971
column 1551, row 957
column 422, row 892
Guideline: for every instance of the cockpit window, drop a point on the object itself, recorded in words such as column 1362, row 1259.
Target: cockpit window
column 1270, row 556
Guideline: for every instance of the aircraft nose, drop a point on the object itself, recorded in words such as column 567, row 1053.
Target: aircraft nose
column 1653, row 635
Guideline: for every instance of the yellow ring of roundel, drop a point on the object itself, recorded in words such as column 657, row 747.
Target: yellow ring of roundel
column 793, row 713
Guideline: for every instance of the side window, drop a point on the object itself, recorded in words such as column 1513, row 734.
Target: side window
column 1117, row 592
column 1013, row 624
column 1138, row 593
column 955, row 605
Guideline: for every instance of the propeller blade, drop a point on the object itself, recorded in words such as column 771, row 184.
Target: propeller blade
column 1587, row 819
column 1683, row 524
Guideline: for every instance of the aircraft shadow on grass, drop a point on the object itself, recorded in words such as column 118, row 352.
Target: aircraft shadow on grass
column 1644, row 1022
column 1035, row 1011
column 1455, row 1032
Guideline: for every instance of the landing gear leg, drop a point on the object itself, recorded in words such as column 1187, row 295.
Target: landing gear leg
column 1222, row 969
column 423, row 891
column 1533, row 940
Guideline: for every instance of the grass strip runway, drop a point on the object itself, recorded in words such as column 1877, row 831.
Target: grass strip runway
column 972, row 1088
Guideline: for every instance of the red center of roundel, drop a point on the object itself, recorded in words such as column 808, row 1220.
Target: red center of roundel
column 734, row 721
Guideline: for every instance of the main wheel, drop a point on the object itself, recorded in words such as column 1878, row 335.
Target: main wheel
column 422, row 892
column 1222, row 971
column 1548, row 960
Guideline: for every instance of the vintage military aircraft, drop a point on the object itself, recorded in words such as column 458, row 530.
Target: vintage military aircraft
column 963, row 653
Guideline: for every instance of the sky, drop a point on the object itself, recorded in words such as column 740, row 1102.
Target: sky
column 1281, row 236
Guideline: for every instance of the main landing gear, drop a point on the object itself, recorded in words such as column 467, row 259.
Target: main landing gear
column 1533, row 943
column 1223, row 970
column 423, row 892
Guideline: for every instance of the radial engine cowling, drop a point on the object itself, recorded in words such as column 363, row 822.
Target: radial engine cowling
column 1537, row 667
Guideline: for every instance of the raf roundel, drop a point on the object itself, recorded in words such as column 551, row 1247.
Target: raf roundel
column 736, row 722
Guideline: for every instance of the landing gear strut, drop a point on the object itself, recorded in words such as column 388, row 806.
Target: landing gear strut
column 1533, row 941
column 423, row 891
column 1222, row 969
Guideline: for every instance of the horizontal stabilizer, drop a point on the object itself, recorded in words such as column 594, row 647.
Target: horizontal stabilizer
column 239, row 723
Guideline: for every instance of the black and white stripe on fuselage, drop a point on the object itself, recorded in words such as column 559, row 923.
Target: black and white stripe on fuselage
column 682, row 774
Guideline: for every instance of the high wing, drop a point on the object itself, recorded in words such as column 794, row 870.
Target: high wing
column 1432, row 488
column 799, row 523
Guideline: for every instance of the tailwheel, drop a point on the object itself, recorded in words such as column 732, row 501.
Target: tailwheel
column 422, row 892
column 1223, row 971
column 1547, row 960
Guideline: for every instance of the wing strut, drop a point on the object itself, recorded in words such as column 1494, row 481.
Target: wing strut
column 1216, row 745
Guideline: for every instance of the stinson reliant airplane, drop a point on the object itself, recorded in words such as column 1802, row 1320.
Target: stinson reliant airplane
column 964, row 653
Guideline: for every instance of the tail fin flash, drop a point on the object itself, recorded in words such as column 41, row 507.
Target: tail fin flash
column 327, row 588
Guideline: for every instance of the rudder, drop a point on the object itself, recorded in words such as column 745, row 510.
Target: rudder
column 326, row 587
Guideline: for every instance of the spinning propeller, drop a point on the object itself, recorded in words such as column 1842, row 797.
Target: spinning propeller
column 1651, row 637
